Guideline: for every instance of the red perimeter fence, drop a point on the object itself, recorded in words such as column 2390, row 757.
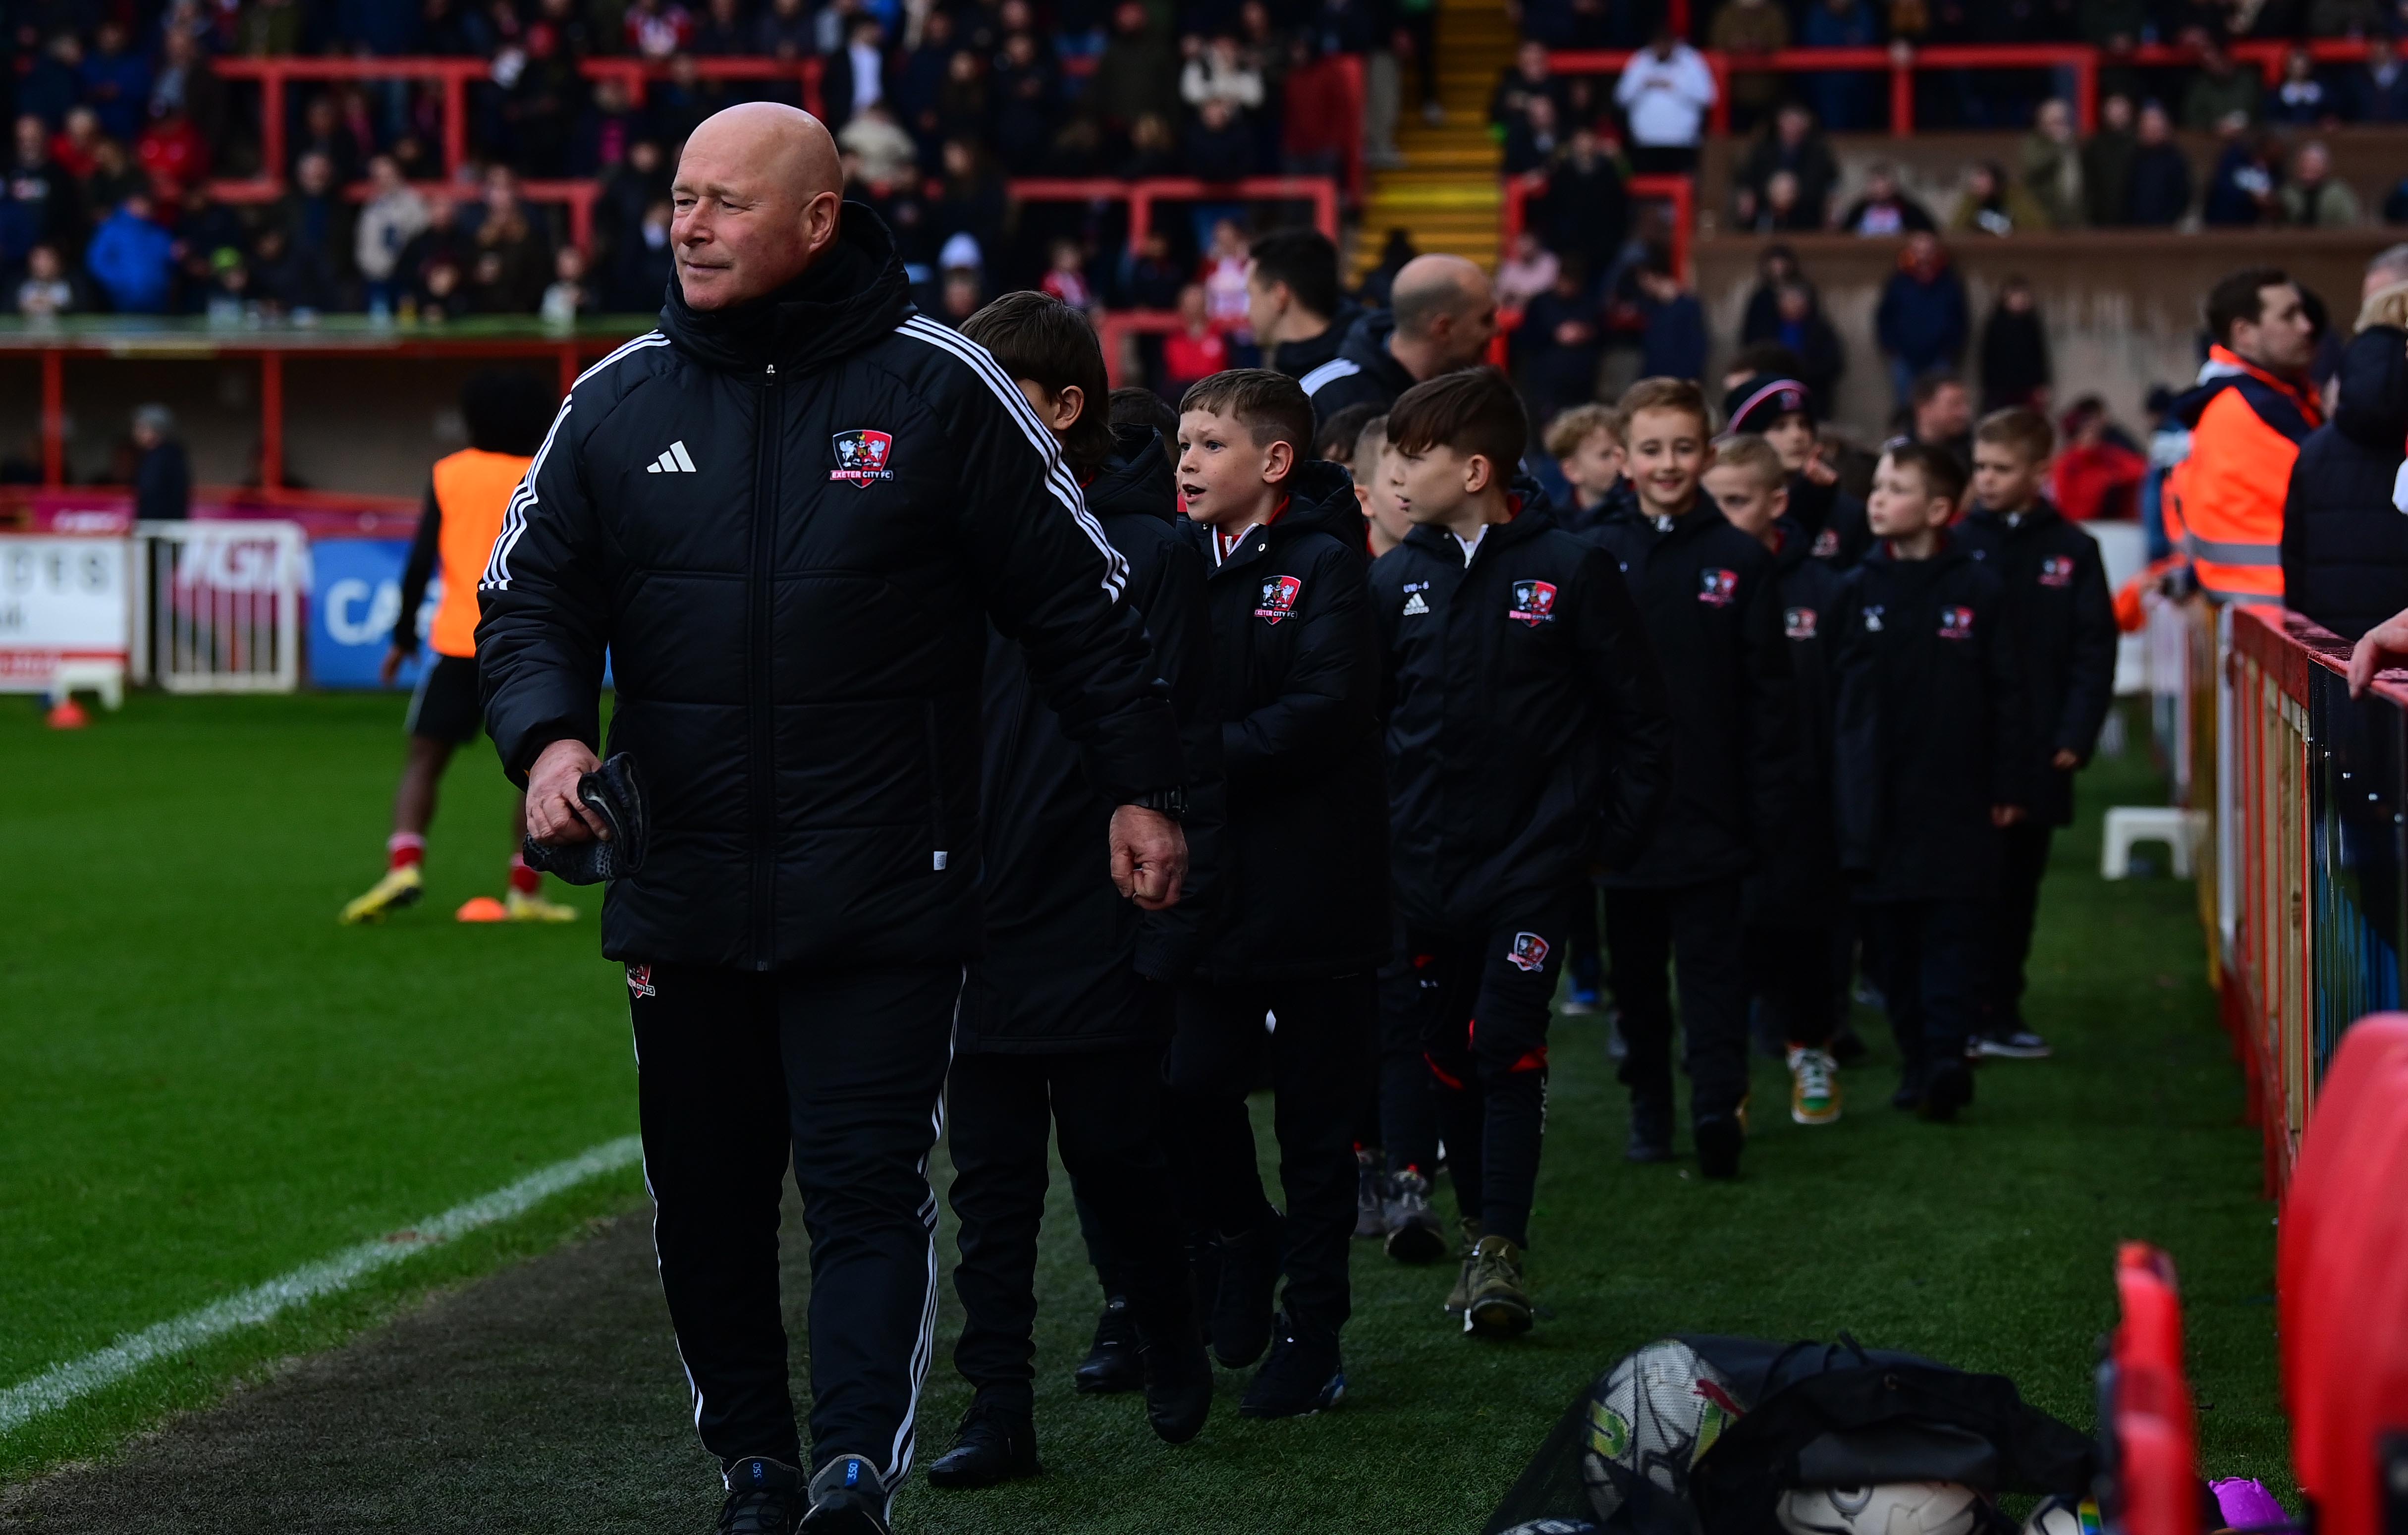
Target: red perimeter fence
column 1900, row 60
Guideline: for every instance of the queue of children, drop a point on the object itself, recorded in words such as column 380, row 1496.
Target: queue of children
column 1453, row 718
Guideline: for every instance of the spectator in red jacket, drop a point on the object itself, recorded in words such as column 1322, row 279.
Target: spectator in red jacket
column 2095, row 476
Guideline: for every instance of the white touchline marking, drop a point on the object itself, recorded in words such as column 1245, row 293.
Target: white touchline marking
column 62, row 1383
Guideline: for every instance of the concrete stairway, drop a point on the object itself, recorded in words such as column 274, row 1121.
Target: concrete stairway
column 1447, row 191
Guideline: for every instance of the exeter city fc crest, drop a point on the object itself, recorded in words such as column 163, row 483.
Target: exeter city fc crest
column 2057, row 570
column 1956, row 622
column 1529, row 952
column 1798, row 623
column 639, row 981
column 1534, row 603
column 861, row 458
column 1826, row 543
column 1715, row 588
column 1278, row 598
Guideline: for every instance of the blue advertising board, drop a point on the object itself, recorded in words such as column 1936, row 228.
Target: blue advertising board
column 354, row 596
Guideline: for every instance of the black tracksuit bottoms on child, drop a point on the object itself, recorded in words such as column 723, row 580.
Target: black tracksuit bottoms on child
column 1320, row 1061
column 1483, row 1006
column 1931, row 958
column 1694, row 931
column 1106, row 1107
column 2023, row 863
column 1793, row 973
column 842, row 1073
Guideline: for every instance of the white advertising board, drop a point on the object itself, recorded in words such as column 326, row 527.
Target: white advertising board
column 60, row 600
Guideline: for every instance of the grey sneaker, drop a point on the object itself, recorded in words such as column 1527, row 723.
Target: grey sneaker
column 1414, row 1234
column 1460, row 1296
column 1500, row 1306
column 1370, row 1220
column 847, row 1499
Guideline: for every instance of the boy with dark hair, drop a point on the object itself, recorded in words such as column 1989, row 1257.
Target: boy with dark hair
column 1335, row 442
column 1712, row 604
column 1295, row 685
column 1062, row 1023
column 2060, row 619
column 1136, row 406
column 1929, row 765
column 1794, row 937
column 1780, row 410
column 1522, row 701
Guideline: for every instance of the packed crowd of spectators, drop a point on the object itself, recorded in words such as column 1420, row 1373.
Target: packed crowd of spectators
column 121, row 120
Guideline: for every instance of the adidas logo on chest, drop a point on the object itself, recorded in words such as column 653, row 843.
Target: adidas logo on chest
column 675, row 461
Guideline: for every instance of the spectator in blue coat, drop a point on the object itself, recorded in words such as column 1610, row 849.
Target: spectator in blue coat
column 1672, row 345
column 1842, row 100
column 116, row 83
column 2375, row 90
column 1923, row 320
column 132, row 258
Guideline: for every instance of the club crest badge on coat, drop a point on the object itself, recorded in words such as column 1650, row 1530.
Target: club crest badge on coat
column 1278, row 600
column 1798, row 623
column 1715, row 588
column 1534, row 603
column 1956, row 622
column 861, row 458
column 2057, row 570
column 1529, row 952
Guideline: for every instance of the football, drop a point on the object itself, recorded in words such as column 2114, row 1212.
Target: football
column 2063, row 1516
column 1657, row 1409
column 1891, row 1508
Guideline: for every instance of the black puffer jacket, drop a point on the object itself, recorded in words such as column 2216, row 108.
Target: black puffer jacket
column 1362, row 373
column 1527, row 732
column 1712, row 607
column 1797, row 884
column 1070, row 964
column 2062, row 619
column 1929, row 732
column 789, row 523
column 2344, row 544
column 1296, row 683
column 1833, row 521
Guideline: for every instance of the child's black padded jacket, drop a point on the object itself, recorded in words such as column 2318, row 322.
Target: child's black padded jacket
column 1929, row 732
column 1712, row 605
column 1527, row 730
column 1295, row 683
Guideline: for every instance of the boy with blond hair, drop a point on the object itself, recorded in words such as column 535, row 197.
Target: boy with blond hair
column 1585, row 442
column 1711, row 602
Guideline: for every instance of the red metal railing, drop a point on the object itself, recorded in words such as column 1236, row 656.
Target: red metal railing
column 1141, row 196
column 1679, row 191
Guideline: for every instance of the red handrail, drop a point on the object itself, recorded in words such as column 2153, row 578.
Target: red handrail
column 1899, row 59
column 1680, row 190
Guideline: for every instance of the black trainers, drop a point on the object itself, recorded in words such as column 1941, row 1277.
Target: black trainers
column 763, row 1498
column 1242, row 1307
column 1368, row 1183
column 1720, row 1138
column 1651, row 1125
column 1178, row 1385
column 995, row 1443
column 1947, row 1089
column 1112, row 1364
column 1414, row 1232
column 846, row 1499
column 1302, row 1376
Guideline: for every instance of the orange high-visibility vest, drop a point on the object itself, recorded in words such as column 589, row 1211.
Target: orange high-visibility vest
column 472, row 491
column 2226, row 499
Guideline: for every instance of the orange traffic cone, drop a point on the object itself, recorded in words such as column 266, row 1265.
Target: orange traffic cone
column 66, row 714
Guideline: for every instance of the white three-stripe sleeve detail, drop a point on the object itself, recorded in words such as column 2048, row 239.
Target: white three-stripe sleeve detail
column 497, row 563
column 1057, row 476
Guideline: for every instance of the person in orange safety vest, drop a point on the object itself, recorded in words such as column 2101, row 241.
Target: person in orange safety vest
column 2251, row 409
column 468, row 491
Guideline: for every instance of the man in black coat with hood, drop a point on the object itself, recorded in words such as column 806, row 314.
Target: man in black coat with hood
column 2345, row 542
column 788, row 517
column 1442, row 315
column 1064, row 1021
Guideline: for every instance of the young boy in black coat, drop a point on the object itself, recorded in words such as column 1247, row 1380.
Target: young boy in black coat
column 1712, row 604
column 1795, row 937
column 1063, row 1023
column 1523, row 701
column 1781, row 409
column 1296, row 679
column 2061, row 619
column 1929, row 763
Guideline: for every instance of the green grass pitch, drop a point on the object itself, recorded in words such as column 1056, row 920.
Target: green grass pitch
column 204, row 1081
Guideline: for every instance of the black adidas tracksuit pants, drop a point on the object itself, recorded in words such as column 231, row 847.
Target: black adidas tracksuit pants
column 1480, row 1000
column 1106, row 1109
column 1320, row 1065
column 2023, row 863
column 842, row 1074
